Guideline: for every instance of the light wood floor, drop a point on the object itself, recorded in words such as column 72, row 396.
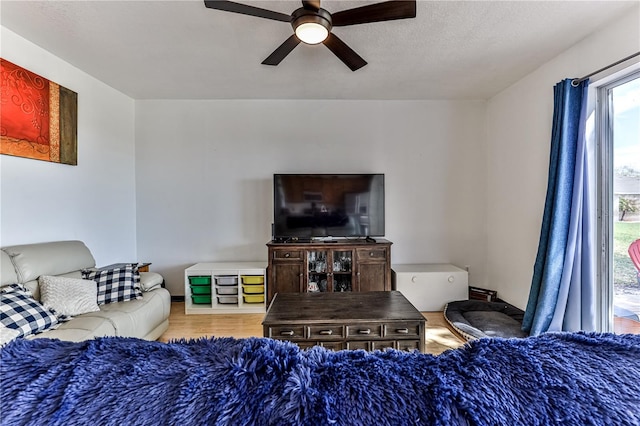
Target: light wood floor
column 439, row 337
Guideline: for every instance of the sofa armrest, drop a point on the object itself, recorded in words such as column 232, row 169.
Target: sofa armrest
column 150, row 280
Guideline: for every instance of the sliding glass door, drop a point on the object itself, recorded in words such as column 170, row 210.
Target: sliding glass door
column 618, row 133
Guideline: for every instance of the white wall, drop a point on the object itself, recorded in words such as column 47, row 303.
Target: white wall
column 204, row 175
column 93, row 201
column 518, row 139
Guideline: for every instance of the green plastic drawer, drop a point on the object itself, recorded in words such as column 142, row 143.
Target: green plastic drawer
column 200, row 289
column 200, row 280
column 201, row 300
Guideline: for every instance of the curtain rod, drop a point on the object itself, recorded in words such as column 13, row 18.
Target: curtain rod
column 577, row 81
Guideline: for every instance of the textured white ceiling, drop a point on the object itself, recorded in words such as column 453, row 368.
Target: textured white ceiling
column 182, row 50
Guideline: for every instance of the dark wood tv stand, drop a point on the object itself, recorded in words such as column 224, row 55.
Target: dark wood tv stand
column 356, row 265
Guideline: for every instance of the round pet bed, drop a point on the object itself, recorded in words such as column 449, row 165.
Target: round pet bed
column 475, row 319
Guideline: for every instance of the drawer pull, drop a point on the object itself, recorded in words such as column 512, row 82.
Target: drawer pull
column 287, row 255
column 370, row 254
column 364, row 331
column 286, row 333
column 326, row 332
column 402, row 330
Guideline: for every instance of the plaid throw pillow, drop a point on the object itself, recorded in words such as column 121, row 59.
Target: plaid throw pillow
column 116, row 285
column 20, row 311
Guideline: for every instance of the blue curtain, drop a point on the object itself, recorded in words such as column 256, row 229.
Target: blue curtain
column 562, row 296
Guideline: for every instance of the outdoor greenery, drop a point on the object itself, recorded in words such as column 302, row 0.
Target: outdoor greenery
column 626, row 205
column 624, row 273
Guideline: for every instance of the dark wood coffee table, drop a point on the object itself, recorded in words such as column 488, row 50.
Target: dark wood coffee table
column 370, row 320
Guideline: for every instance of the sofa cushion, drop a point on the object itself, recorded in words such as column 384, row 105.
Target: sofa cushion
column 82, row 327
column 54, row 258
column 68, row 296
column 144, row 318
column 117, row 284
column 137, row 318
column 7, row 271
column 20, row 311
column 7, row 335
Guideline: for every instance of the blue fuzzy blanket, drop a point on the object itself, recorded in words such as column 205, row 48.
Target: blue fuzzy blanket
column 568, row 379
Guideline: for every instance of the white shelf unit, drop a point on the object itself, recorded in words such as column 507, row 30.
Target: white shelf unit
column 227, row 271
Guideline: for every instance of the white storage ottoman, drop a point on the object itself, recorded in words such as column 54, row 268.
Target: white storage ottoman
column 430, row 286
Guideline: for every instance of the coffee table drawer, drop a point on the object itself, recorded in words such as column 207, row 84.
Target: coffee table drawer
column 409, row 345
column 380, row 345
column 400, row 330
column 372, row 330
column 358, row 344
column 287, row 332
column 329, row 332
column 332, row 346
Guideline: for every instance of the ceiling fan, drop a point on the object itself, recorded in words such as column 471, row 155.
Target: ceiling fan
column 312, row 24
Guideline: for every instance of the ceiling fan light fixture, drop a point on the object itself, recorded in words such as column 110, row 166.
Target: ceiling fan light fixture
column 311, row 26
column 312, row 33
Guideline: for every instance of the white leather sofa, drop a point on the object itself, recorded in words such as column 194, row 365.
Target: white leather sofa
column 145, row 318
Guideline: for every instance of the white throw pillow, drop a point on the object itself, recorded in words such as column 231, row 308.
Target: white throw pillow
column 68, row 296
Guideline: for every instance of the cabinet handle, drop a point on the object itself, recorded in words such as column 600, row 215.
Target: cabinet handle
column 287, row 255
column 365, row 331
column 370, row 254
column 402, row 330
column 326, row 332
column 286, row 333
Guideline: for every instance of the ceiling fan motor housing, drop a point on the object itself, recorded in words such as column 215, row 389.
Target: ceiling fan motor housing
column 306, row 16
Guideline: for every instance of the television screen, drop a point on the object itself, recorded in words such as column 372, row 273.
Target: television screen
column 328, row 205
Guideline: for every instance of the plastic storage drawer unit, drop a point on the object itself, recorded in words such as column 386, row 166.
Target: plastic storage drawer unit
column 257, row 298
column 252, row 289
column 228, row 300
column 227, row 280
column 200, row 289
column 252, row 279
column 201, row 300
column 200, row 280
column 226, row 290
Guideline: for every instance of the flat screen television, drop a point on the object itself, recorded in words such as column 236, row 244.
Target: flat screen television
column 328, row 205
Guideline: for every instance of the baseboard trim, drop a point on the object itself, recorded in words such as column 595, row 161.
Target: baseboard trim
column 177, row 298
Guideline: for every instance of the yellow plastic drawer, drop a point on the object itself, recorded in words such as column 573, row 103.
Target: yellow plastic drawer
column 252, row 289
column 257, row 298
column 252, row 279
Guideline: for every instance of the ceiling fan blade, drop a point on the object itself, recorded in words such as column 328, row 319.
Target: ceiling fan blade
column 385, row 11
column 230, row 6
column 282, row 51
column 311, row 4
column 344, row 52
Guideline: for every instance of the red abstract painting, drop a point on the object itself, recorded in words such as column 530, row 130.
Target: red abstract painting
column 38, row 118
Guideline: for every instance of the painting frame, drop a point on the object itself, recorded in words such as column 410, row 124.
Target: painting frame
column 38, row 117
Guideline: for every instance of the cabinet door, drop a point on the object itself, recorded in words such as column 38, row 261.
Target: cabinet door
column 319, row 267
column 373, row 269
column 286, row 277
column 341, row 270
column 372, row 277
